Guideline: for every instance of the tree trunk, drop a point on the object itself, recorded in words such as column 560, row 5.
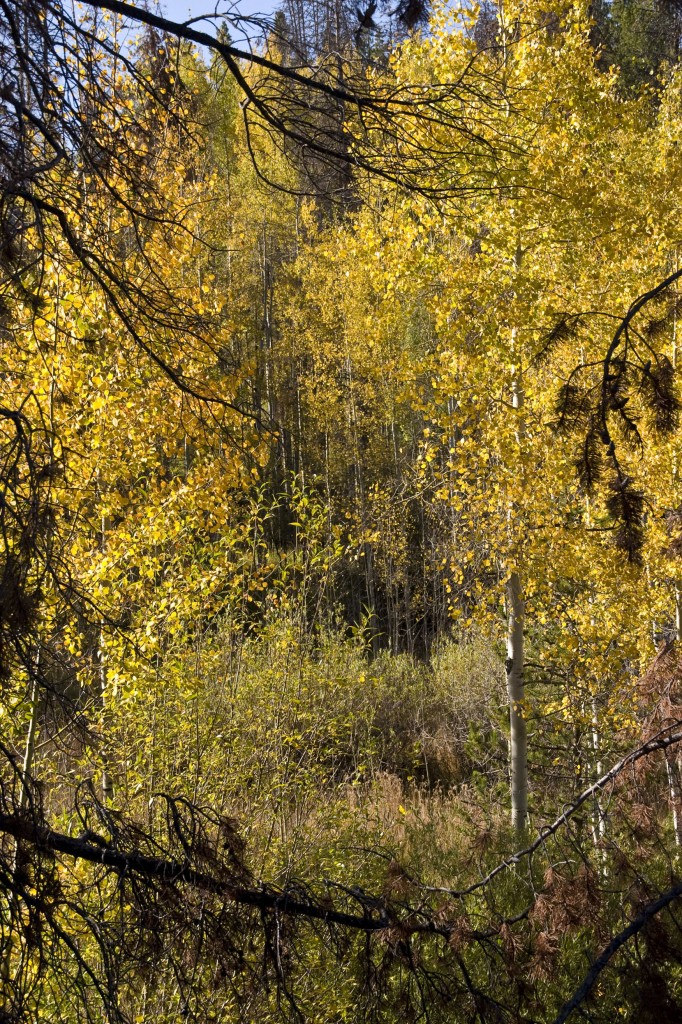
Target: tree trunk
column 518, row 740
column 672, row 763
column 518, row 743
column 26, row 769
column 107, row 781
column 673, row 772
column 29, row 749
column 598, row 813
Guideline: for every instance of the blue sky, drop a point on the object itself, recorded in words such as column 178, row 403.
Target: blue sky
column 180, row 10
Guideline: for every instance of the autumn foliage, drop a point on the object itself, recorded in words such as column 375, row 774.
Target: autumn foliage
column 341, row 518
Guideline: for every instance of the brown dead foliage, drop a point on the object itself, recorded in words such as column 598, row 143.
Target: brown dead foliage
column 542, row 963
column 567, row 902
column 460, row 934
column 660, row 688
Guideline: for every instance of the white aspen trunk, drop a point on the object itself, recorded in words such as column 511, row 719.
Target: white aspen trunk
column 673, row 772
column 672, row 764
column 518, row 735
column 518, row 740
column 268, row 294
column 107, row 782
column 30, row 746
column 598, row 822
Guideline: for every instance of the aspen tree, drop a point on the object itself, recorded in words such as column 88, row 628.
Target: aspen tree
column 518, row 743
column 587, row 160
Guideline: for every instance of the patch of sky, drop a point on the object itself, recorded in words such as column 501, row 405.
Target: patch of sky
column 243, row 17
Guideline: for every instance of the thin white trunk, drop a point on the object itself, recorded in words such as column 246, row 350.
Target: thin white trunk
column 107, row 781
column 516, row 610
column 672, row 763
column 29, row 748
column 518, row 741
column 598, row 822
column 673, row 772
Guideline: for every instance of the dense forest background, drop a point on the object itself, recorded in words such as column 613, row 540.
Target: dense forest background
column 341, row 515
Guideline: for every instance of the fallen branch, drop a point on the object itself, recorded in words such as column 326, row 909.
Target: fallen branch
column 173, row 871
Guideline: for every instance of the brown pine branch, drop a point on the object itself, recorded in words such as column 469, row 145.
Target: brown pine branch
column 617, row 942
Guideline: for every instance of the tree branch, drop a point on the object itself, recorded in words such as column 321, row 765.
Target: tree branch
column 602, row 961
